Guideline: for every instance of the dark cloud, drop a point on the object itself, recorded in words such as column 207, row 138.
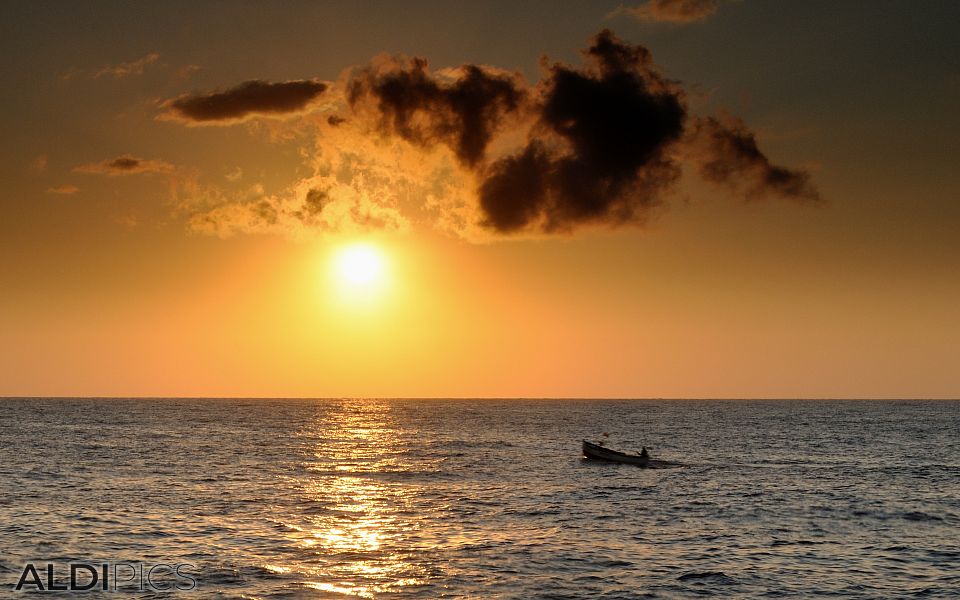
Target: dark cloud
column 614, row 121
column 251, row 98
column 728, row 155
column 521, row 176
column 423, row 109
column 674, row 11
column 125, row 165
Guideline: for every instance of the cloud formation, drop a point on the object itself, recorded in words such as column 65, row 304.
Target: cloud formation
column 727, row 153
column 674, row 11
column 234, row 175
column 249, row 99
column 480, row 152
column 64, row 190
column 126, row 69
column 186, row 72
column 599, row 150
column 125, row 165
column 358, row 183
column 463, row 110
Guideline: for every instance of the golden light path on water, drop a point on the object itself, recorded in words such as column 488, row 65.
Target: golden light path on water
column 357, row 522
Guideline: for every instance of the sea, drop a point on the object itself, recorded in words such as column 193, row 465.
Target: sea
column 379, row 498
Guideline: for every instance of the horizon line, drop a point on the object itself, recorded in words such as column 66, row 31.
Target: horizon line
column 484, row 398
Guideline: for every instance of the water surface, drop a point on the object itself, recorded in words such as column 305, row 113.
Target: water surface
column 464, row 499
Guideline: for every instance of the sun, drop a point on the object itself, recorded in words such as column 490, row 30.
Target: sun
column 359, row 264
column 359, row 268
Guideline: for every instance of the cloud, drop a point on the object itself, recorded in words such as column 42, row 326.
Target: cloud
column 596, row 142
column 728, row 155
column 249, row 99
column 40, row 163
column 597, row 136
column 674, row 11
column 125, row 165
column 314, row 205
column 186, row 72
column 127, row 221
column 70, row 74
column 136, row 67
column 462, row 110
column 66, row 189
column 479, row 152
column 599, row 151
column 234, row 175
column 358, row 183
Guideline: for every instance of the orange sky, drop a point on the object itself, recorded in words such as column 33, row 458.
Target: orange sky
column 115, row 283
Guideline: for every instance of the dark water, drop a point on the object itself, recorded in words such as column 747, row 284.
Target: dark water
column 467, row 499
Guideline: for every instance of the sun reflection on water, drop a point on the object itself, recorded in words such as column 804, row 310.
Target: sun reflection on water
column 355, row 520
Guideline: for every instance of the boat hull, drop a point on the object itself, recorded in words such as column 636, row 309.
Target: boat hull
column 596, row 452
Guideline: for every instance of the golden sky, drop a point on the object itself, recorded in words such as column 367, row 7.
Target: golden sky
column 694, row 199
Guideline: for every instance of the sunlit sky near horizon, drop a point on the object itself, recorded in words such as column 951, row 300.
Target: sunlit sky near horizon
column 276, row 199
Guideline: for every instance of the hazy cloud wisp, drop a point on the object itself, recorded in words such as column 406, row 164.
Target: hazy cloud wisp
column 727, row 153
column 125, row 165
column 674, row 11
column 126, row 69
column 63, row 190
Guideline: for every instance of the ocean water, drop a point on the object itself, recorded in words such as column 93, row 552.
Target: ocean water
column 292, row 499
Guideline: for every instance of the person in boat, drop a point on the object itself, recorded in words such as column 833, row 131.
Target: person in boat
column 644, row 453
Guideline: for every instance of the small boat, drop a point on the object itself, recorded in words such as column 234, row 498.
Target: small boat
column 598, row 452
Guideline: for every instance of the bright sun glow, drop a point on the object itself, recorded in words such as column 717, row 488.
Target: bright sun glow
column 359, row 267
